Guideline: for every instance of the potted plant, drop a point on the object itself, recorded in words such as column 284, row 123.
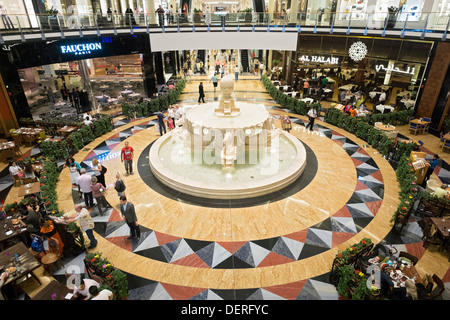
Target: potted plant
column 248, row 14
column 197, row 15
column 345, row 275
column 392, row 16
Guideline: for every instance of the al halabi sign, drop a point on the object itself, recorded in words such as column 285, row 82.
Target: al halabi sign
column 319, row 59
column 81, row 49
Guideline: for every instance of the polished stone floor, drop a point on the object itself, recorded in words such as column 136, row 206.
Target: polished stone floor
column 275, row 248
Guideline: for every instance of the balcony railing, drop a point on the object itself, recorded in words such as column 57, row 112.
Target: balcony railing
column 426, row 22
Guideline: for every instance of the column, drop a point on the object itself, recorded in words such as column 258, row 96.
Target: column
column 151, row 12
column 148, row 68
column 8, row 118
column 293, row 12
column 387, row 78
column 270, row 9
column 159, row 68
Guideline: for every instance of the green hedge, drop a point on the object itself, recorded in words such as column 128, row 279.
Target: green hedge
column 146, row 109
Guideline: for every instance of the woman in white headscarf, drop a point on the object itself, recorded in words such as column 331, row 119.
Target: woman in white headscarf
column 207, row 16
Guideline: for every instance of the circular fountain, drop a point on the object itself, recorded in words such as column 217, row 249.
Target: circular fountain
column 227, row 150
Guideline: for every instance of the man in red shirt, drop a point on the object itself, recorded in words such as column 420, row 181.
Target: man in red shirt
column 127, row 157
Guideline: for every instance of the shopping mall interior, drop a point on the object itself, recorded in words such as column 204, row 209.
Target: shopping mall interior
column 342, row 195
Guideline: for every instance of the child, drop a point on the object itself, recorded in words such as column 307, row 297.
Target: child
column 171, row 126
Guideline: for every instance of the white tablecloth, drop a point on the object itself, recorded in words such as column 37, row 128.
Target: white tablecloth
column 409, row 103
column 306, row 100
column 372, row 94
column 346, row 87
column 381, row 107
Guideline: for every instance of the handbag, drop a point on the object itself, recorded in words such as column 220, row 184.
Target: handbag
column 104, row 169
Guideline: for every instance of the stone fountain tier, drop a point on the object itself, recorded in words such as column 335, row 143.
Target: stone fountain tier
column 200, row 180
column 204, row 120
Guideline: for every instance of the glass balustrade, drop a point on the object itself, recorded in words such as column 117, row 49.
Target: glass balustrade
column 27, row 23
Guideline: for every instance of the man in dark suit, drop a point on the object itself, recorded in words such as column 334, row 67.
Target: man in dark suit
column 127, row 212
column 201, row 93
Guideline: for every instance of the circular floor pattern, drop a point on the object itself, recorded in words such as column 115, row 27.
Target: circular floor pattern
column 358, row 211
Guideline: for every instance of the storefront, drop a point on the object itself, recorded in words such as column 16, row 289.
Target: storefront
column 86, row 63
column 395, row 64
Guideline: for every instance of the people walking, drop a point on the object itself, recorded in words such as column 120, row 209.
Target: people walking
column 126, row 156
column 128, row 213
column 201, row 93
column 84, row 181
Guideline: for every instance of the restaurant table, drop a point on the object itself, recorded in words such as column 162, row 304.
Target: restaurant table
column 402, row 93
column 4, row 236
column 104, row 86
column 29, row 189
column 408, row 103
column 346, row 87
column 443, row 226
column 28, row 131
column 382, row 107
column 409, row 271
column 385, row 127
column 306, row 100
column 55, row 290
column 126, row 92
column 66, row 130
column 372, row 94
column 28, row 263
column 128, row 86
column 7, row 145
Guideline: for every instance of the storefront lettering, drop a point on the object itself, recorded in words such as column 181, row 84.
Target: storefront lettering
column 79, row 49
column 320, row 59
column 396, row 69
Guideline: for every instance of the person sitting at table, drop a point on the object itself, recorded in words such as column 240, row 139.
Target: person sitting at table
column 105, row 294
column 2, row 281
column 29, row 171
column 31, row 221
column 440, row 192
column 347, row 108
column 15, row 169
column 353, row 111
column 83, row 289
column 432, row 165
column 48, row 230
column 342, row 96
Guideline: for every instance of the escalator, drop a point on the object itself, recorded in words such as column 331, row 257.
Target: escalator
column 244, row 61
column 259, row 6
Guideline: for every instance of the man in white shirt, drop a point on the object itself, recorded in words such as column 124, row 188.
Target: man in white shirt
column 312, row 114
column 84, row 181
column 105, row 294
column 86, row 223
column 178, row 113
column 261, row 69
column 382, row 97
column 236, row 73
column 83, row 289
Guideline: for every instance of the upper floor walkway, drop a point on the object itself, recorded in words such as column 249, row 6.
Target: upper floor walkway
column 428, row 26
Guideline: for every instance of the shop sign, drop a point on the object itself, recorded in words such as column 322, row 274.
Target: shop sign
column 396, row 69
column 319, row 59
column 81, row 49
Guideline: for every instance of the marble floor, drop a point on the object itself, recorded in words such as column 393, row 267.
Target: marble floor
column 278, row 247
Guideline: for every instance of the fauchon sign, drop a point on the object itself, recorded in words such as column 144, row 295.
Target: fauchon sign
column 81, row 49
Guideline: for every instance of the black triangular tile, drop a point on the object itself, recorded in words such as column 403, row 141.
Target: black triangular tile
column 309, row 251
column 266, row 243
column 153, row 253
column 197, row 244
column 324, row 225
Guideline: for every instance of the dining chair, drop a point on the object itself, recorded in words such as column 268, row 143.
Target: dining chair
column 446, row 145
column 414, row 127
column 438, row 290
column 426, row 125
column 408, row 256
column 431, row 186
